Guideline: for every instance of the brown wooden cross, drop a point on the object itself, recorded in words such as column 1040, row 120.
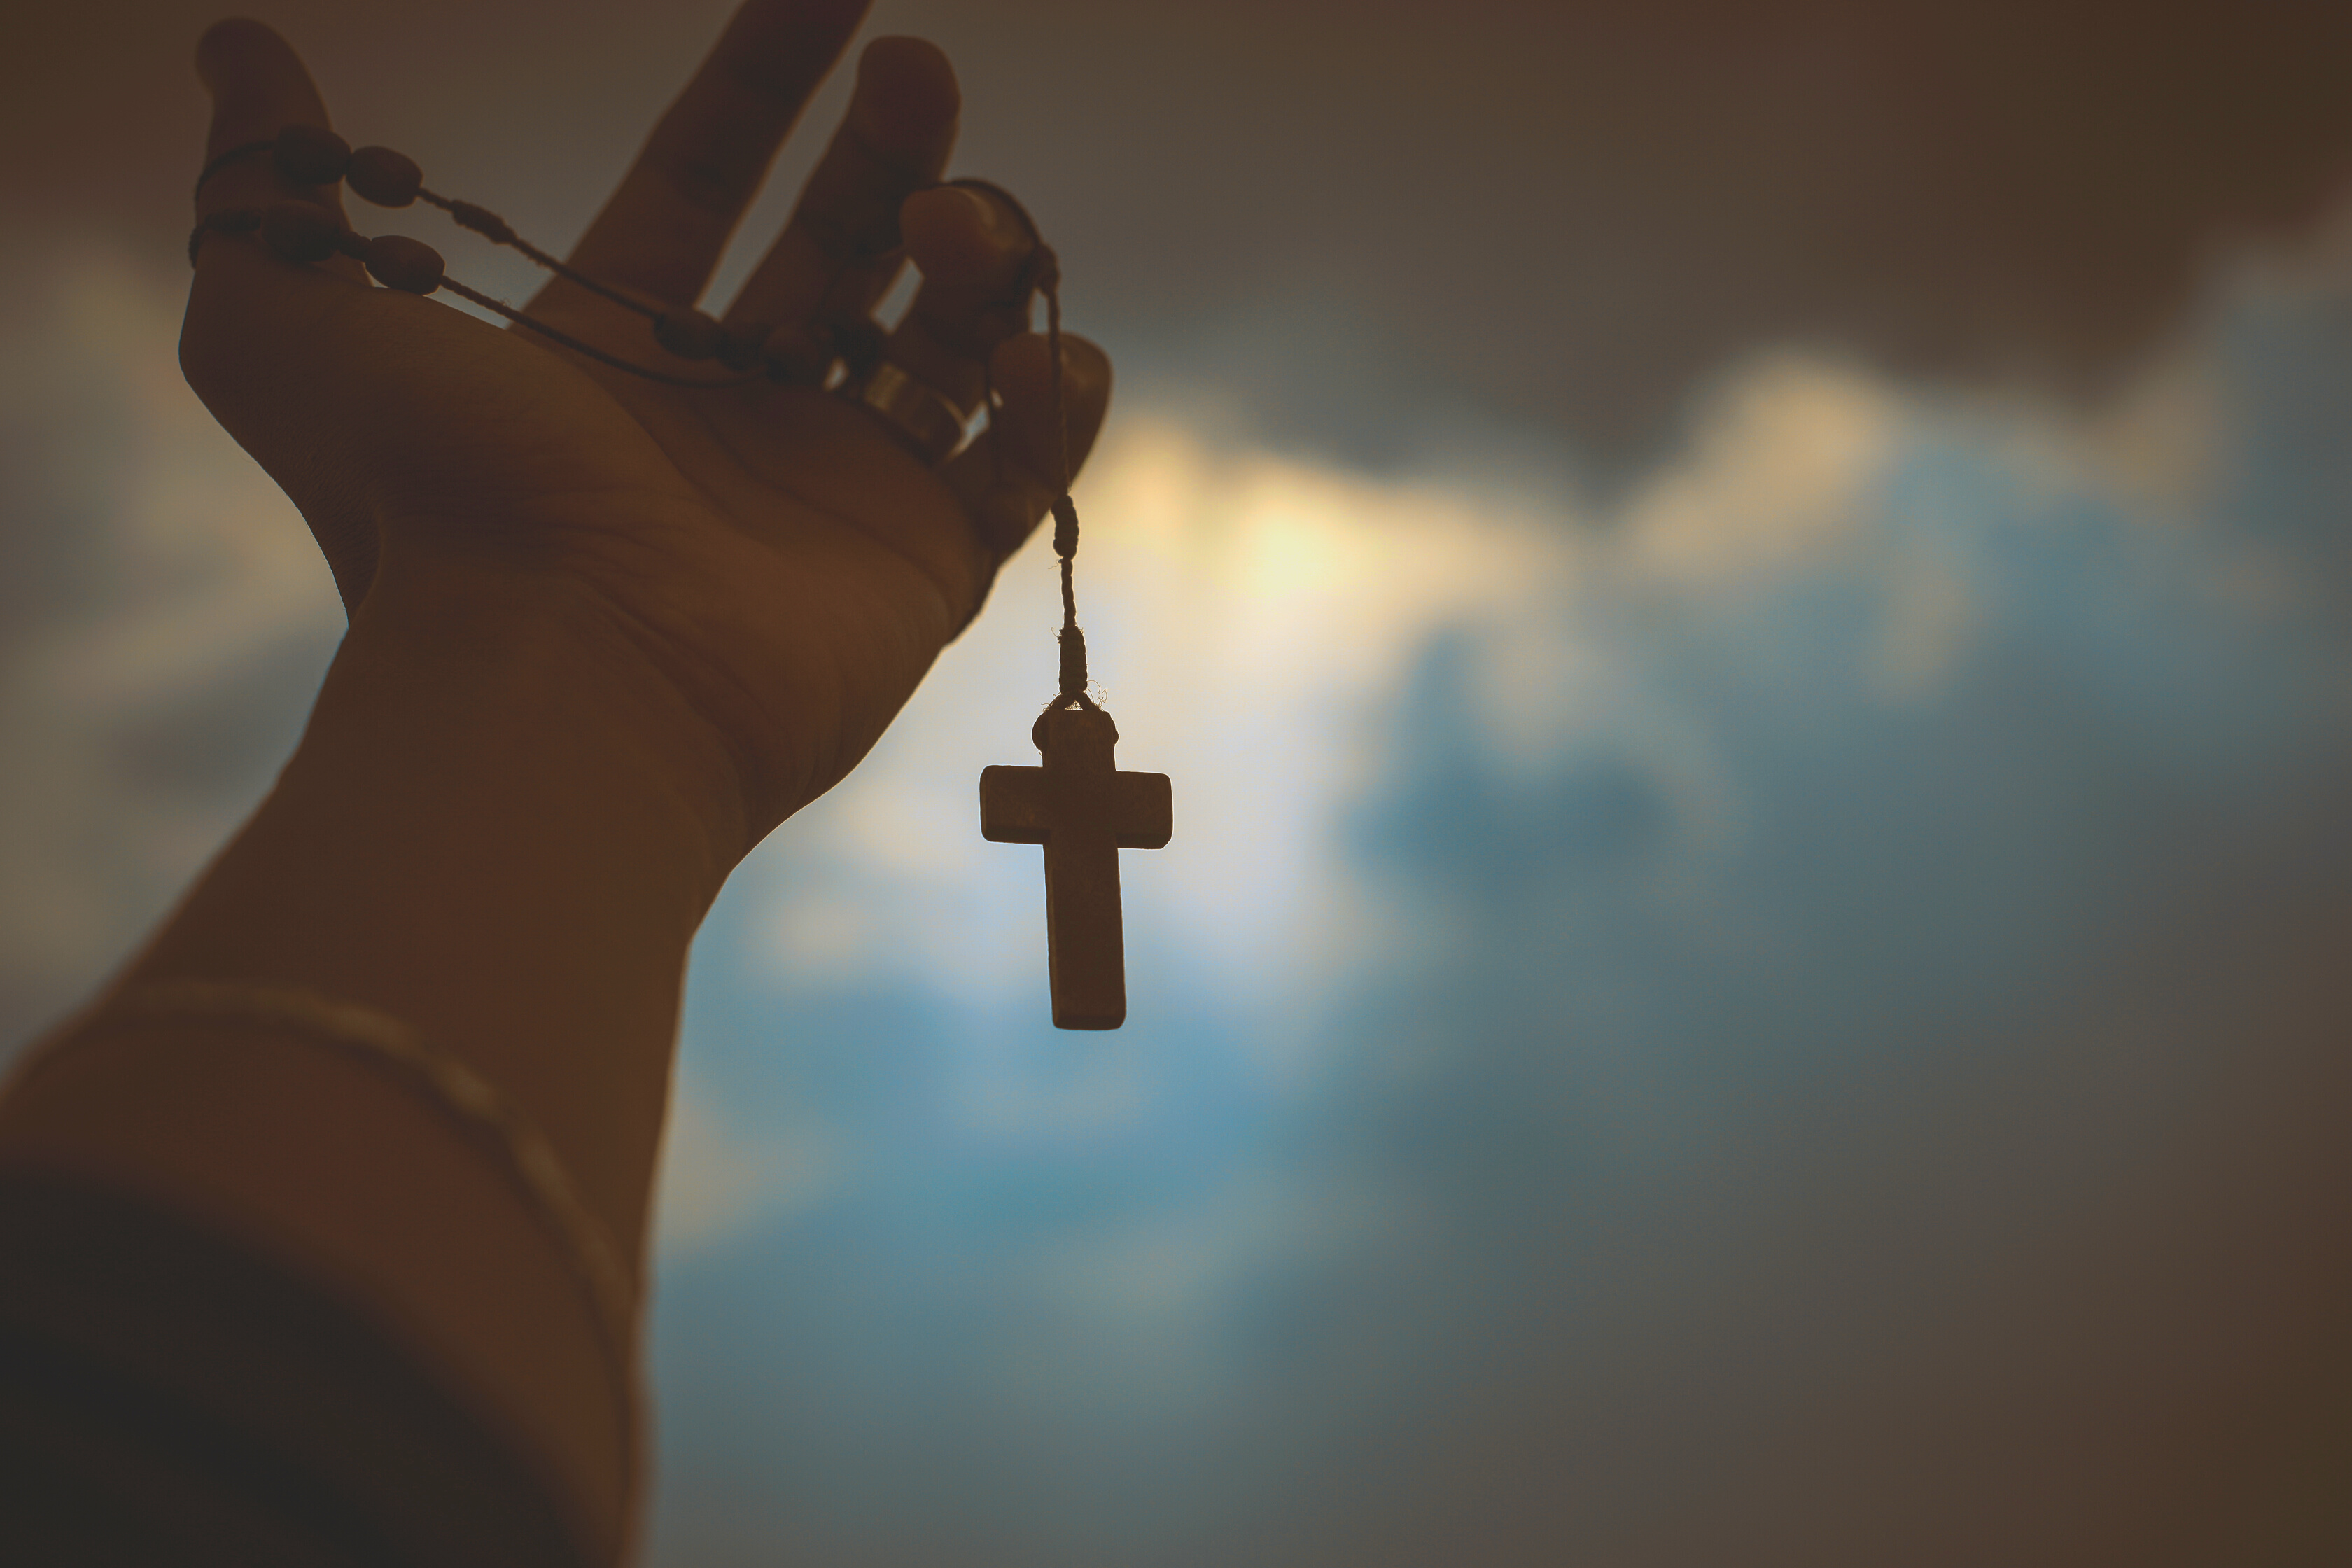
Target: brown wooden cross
column 1084, row 811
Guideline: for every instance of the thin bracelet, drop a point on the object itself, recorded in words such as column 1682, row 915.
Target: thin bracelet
column 547, row 1185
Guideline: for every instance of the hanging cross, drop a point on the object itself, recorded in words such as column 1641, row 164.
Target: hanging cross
column 1084, row 811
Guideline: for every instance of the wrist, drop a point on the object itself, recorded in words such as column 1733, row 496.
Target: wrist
column 502, row 832
column 517, row 660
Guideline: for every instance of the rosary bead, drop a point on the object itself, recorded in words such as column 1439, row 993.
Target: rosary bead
column 408, row 265
column 742, row 349
column 301, row 232
column 689, row 334
column 312, row 155
column 381, row 176
column 860, row 340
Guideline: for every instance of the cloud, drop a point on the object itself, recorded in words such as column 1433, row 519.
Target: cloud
column 717, row 1179
column 1776, row 477
column 1821, row 544
column 1355, row 223
column 1819, row 1061
column 1568, row 918
column 1369, row 228
column 1844, row 927
column 166, row 623
column 1815, row 1192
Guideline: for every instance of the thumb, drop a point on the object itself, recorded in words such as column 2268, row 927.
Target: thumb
column 257, row 343
column 258, row 88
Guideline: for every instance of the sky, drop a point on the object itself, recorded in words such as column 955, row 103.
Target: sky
column 1746, row 608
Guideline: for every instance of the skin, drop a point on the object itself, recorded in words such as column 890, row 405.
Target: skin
column 604, row 636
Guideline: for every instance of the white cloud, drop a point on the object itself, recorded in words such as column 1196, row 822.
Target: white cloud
column 1777, row 475
column 1247, row 615
column 717, row 1179
column 1251, row 618
column 196, row 575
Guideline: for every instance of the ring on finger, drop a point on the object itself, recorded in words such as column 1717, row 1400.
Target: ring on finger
column 921, row 414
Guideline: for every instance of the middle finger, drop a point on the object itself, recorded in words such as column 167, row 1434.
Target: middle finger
column 662, row 232
column 841, row 249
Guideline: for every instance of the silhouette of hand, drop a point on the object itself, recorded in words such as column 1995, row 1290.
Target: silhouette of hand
column 769, row 558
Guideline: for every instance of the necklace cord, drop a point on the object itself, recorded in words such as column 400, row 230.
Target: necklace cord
column 498, row 231
column 1072, row 641
column 580, row 346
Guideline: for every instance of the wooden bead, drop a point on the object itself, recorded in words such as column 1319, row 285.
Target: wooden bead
column 299, row 231
column 860, row 340
column 787, row 369
column 312, row 155
column 408, row 265
column 742, row 350
column 689, row 334
column 381, row 176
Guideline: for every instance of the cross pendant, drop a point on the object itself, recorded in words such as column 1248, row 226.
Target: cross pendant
column 1084, row 811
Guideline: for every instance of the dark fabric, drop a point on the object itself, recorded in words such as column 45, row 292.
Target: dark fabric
column 167, row 1396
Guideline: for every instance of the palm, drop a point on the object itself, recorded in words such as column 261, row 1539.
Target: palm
column 771, row 537
column 777, row 551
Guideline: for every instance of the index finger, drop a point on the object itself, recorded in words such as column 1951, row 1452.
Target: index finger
column 662, row 231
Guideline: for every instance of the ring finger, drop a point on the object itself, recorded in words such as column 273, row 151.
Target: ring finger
column 975, row 250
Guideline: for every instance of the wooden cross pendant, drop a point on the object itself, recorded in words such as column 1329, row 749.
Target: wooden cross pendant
column 1084, row 811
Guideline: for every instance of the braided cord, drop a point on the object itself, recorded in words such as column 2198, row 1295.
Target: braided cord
column 1065, row 512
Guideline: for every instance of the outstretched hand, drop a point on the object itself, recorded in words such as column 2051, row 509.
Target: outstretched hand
column 770, row 558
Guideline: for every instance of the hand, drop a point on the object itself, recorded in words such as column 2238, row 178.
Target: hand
column 769, row 558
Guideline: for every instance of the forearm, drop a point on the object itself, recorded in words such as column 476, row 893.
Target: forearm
column 502, row 833
column 497, row 832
